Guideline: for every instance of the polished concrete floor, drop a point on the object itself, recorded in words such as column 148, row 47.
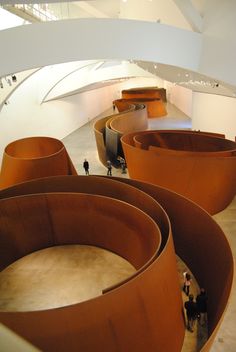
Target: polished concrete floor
column 81, row 144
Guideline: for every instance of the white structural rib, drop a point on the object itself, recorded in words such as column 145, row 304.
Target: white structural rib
column 91, row 9
column 190, row 13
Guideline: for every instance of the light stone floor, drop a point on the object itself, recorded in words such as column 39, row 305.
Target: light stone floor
column 81, row 144
column 60, row 276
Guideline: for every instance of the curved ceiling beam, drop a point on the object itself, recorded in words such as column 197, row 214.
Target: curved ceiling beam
column 66, row 75
column 97, row 39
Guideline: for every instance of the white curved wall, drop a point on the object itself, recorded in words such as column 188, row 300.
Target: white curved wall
column 25, row 116
column 42, row 44
column 214, row 113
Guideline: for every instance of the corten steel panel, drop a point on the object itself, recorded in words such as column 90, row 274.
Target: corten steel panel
column 155, row 107
column 108, row 131
column 123, row 106
column 145, row 92
column 201, row 243
column 131, row 121
column 34, row 157
column 209, row 179
column 100, row 137
column 101, row 324
column 112, row 144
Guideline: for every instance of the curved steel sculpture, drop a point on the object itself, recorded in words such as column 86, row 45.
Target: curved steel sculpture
column 144, row 92
column 152, row 97
column 34, row 157
column 200, row 166
column 108, row 130
column 155, row 106
column 144, row 312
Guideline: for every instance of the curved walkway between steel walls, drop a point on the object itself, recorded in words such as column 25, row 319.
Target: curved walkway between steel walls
column 142, row 313
column 198, row 165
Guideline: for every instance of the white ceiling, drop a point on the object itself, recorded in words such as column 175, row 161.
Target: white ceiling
column 164, row 11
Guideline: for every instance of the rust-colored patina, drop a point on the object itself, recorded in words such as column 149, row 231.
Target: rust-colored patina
column 155, row 106
column 34, row 157
column 144, row 92
column 145, row 312
column 108, row 130
column 200, row 166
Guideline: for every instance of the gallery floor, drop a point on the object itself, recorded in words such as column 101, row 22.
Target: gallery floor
column 87, row 270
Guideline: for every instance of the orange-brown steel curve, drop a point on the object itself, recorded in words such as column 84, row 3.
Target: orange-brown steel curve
column 155, row 106
column 144, row 92
column 200, row 166
column 145, row 312
column 108, row 130
column 34, row 157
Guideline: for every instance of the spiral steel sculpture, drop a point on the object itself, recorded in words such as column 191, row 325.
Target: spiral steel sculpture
column 145, row 311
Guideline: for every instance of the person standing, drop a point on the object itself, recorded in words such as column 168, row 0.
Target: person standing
column 187, row 282
column 201, row 301
column 123, row 165
column 109, row 168
column 86, row 167
column 191, row 312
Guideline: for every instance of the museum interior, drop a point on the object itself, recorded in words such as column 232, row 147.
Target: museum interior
column 118, row 175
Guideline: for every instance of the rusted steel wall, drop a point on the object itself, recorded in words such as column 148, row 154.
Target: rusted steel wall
column 155, row 106
column 145, row 92
column 34, row 157
column 128, row 316
column 201, row 167
column 108, row 130
column 135, row 315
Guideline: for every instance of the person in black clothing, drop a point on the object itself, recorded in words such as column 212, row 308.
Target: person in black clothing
column 191, row 312
column 187, row 282
column 201, row 301
column 86, row 167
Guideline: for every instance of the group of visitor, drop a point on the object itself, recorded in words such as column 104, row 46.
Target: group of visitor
column 194, row 309
column 109, row 166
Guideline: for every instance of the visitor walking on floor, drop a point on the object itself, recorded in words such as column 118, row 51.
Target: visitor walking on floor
column 86, row 167
column 109, row 168
column 191, row 312
column 201, row 301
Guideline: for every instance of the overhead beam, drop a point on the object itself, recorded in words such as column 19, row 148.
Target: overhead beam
column 190, row 13
column 91, row 10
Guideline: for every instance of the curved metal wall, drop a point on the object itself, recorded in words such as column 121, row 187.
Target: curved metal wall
column 108, row 130
column 100, row 323
column 34, row 157
column 144, row 92
column 155, row 106
column 200, row 166
column 136, row 314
